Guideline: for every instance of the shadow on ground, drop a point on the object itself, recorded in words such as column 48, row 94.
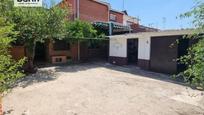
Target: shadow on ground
column 45, row 75
column 40, row 76
column 127, row 69
column 8, row 112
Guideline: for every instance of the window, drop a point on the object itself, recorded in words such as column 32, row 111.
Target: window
column 61, row 45
column 113, row 17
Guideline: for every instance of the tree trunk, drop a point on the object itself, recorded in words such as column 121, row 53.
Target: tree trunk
column 30, row 54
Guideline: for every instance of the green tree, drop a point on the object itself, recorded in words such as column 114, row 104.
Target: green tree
column 77, row 31
column 36, row 24
column 194, row 74
column 9, row 69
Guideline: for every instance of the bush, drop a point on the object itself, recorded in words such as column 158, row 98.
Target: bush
column 194, row 74
column 9, row 69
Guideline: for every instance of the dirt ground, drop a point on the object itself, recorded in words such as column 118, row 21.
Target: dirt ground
column 101, row 89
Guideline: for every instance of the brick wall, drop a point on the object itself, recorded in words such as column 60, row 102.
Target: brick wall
column 71, row 5
column 93, row 11
column 119, row 16
column 135, row 28
column 90, row 10
column 51, row 52
column 17, row 52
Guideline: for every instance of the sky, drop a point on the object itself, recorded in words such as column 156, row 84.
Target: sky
column 160, row 14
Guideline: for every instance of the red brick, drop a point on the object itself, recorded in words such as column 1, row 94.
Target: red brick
column 119, row 16
column 93, row 11
column 17, row 52
column 89, row 10
column 51, row 52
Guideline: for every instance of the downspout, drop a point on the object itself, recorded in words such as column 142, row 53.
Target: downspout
column 75, row 10
column 78, row 40
column 78, row 9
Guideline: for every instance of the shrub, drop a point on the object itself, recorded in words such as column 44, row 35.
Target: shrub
column 9, row 68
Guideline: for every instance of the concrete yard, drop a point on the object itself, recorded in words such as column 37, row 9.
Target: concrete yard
column 101, row 89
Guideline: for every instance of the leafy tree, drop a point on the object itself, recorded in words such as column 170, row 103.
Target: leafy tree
column 194, row 74
column 77, row 31
column 9, row 69
column 36, row 24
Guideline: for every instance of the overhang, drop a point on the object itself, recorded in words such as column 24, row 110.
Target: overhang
column 155, row 34
column 117, row 27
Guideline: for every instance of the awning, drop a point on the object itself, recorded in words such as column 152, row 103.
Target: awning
column 116, row 27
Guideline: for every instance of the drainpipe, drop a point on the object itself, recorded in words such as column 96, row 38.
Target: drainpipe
column 75, row 10
column 78, row 9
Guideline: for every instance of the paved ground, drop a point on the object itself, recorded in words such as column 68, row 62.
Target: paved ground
column 101, row 89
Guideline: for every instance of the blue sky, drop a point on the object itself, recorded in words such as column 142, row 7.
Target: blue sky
column 156, row 13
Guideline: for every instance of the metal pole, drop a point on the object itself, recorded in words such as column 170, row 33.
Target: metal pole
column 78, row 8
column 78, row 50
column 110, row 28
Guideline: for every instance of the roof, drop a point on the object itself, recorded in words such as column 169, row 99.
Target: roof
column 102, row 2
column 125, row 12
column 117, row 11
column 142, row 28
column 155, row 34
column 115, row 26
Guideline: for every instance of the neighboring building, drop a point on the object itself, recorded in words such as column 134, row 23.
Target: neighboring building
column 156, row 51
column 87, row 10
column 99, row 14
column 116, row 16
column 129, row 20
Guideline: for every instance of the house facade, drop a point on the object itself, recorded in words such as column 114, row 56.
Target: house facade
column 100, row 15
column 156, row 51
column 87, row 10
column 116, row 16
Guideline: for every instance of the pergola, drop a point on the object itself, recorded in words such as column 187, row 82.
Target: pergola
column 112, row 27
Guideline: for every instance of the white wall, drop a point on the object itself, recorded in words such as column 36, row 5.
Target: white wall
column 118, row 47
column 144, row 48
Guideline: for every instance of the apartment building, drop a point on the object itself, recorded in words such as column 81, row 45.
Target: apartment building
column 101, row 15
